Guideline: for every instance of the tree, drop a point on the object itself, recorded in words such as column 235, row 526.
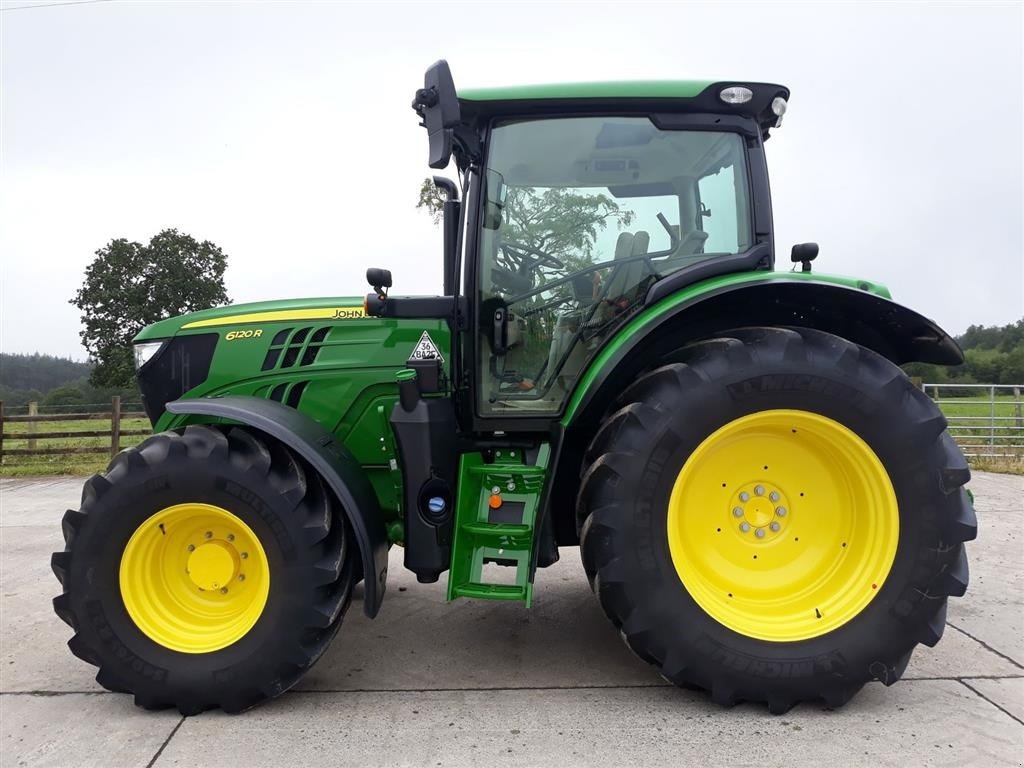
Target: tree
column 431, row 200
column 561, row 222
column 993, row 355
column 129, row 285
column 37, row 371
column 64, row 395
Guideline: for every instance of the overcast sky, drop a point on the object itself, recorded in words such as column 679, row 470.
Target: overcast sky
column 282, row 132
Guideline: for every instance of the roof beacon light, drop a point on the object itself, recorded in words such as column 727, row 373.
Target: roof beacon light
column 779, row 109
column 736, row 94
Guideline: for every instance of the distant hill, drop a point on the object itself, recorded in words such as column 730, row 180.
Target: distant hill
column 54, row 383
column 39, row 372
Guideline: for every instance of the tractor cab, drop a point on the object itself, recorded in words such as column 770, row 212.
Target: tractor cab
column 581, row 201
column 581, row 216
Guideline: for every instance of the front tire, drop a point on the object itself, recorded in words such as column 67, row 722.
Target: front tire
column 206, row 568
column 779, row 516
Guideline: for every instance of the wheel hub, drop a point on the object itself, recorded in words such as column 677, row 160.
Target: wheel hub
column 760, row 508
column 213, row 565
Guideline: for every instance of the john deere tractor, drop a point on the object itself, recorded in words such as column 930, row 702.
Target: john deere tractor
column 765, row 505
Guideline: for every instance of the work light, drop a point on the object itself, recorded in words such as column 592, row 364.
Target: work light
column 779, row 109
column 736, row 94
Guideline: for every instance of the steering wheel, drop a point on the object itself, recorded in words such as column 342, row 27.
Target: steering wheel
column 523, row 256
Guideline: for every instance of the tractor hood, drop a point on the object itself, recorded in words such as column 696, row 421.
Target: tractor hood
column 255, row 312
column 310, row 354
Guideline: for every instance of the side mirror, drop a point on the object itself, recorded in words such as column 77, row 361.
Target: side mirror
column 379, row 279
column 495, row 195
column 437, row 104
column 804, row 254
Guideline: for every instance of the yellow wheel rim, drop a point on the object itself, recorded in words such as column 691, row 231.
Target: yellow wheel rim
column 194, row 578
column 783, row 525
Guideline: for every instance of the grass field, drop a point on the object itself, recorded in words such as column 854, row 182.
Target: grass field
column 67, row 464
column 958, row 410
column 971, row 424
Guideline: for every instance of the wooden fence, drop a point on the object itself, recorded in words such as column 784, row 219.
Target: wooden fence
column 32, row 435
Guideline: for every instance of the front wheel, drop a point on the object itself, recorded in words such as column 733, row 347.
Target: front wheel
column 207, row 568
column 779, row 516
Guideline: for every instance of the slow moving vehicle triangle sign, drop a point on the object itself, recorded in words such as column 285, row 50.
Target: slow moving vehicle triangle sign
column 426, row 349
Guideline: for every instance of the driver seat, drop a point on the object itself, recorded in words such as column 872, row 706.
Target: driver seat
column 626, row 277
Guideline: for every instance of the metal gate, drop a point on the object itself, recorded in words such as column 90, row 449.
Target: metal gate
column 986, row 420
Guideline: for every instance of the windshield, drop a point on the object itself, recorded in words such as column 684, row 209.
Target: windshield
column 581, row 216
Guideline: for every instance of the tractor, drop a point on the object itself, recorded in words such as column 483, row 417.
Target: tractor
column 766, row 507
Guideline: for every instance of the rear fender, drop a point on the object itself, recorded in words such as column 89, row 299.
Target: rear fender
column 855, row 310
column 330, row 458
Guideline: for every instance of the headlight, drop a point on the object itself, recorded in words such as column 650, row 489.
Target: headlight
column 144, row 352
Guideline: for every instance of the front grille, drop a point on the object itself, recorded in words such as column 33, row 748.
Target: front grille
column 183, row 364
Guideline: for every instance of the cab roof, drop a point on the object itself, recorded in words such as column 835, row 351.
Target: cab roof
column 608, row 89
column 652, row 96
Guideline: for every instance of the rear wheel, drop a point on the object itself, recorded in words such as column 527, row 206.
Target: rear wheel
column 779, row 516
column 206, row 568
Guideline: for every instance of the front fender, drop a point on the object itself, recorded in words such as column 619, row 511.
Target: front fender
column 330, row 458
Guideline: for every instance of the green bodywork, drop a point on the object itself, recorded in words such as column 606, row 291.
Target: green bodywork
column 350, row 384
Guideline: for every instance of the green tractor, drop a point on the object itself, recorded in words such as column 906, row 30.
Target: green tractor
column 767, row 508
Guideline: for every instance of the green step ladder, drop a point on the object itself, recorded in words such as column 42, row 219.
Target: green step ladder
column 503, row 533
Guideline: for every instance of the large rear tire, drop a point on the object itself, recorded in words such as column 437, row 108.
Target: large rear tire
column 206, row 568
column 779, row 516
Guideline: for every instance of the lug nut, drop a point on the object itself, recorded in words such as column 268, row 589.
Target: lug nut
column 191, row 547
column 223, row 590
column 744, row 496
column 780, row 511
column 244, row 555
column 231, row 537
column 774, row 496
column 775, row 526
column 759, row 533
column 737, row 511
column 759, row 490
column 209, row 534
column 744, row 526
column 241, row 577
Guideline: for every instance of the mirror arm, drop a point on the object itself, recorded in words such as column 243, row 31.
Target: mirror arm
column 450, row 225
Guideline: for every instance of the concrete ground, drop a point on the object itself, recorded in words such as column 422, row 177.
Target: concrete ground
column 478, row 683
